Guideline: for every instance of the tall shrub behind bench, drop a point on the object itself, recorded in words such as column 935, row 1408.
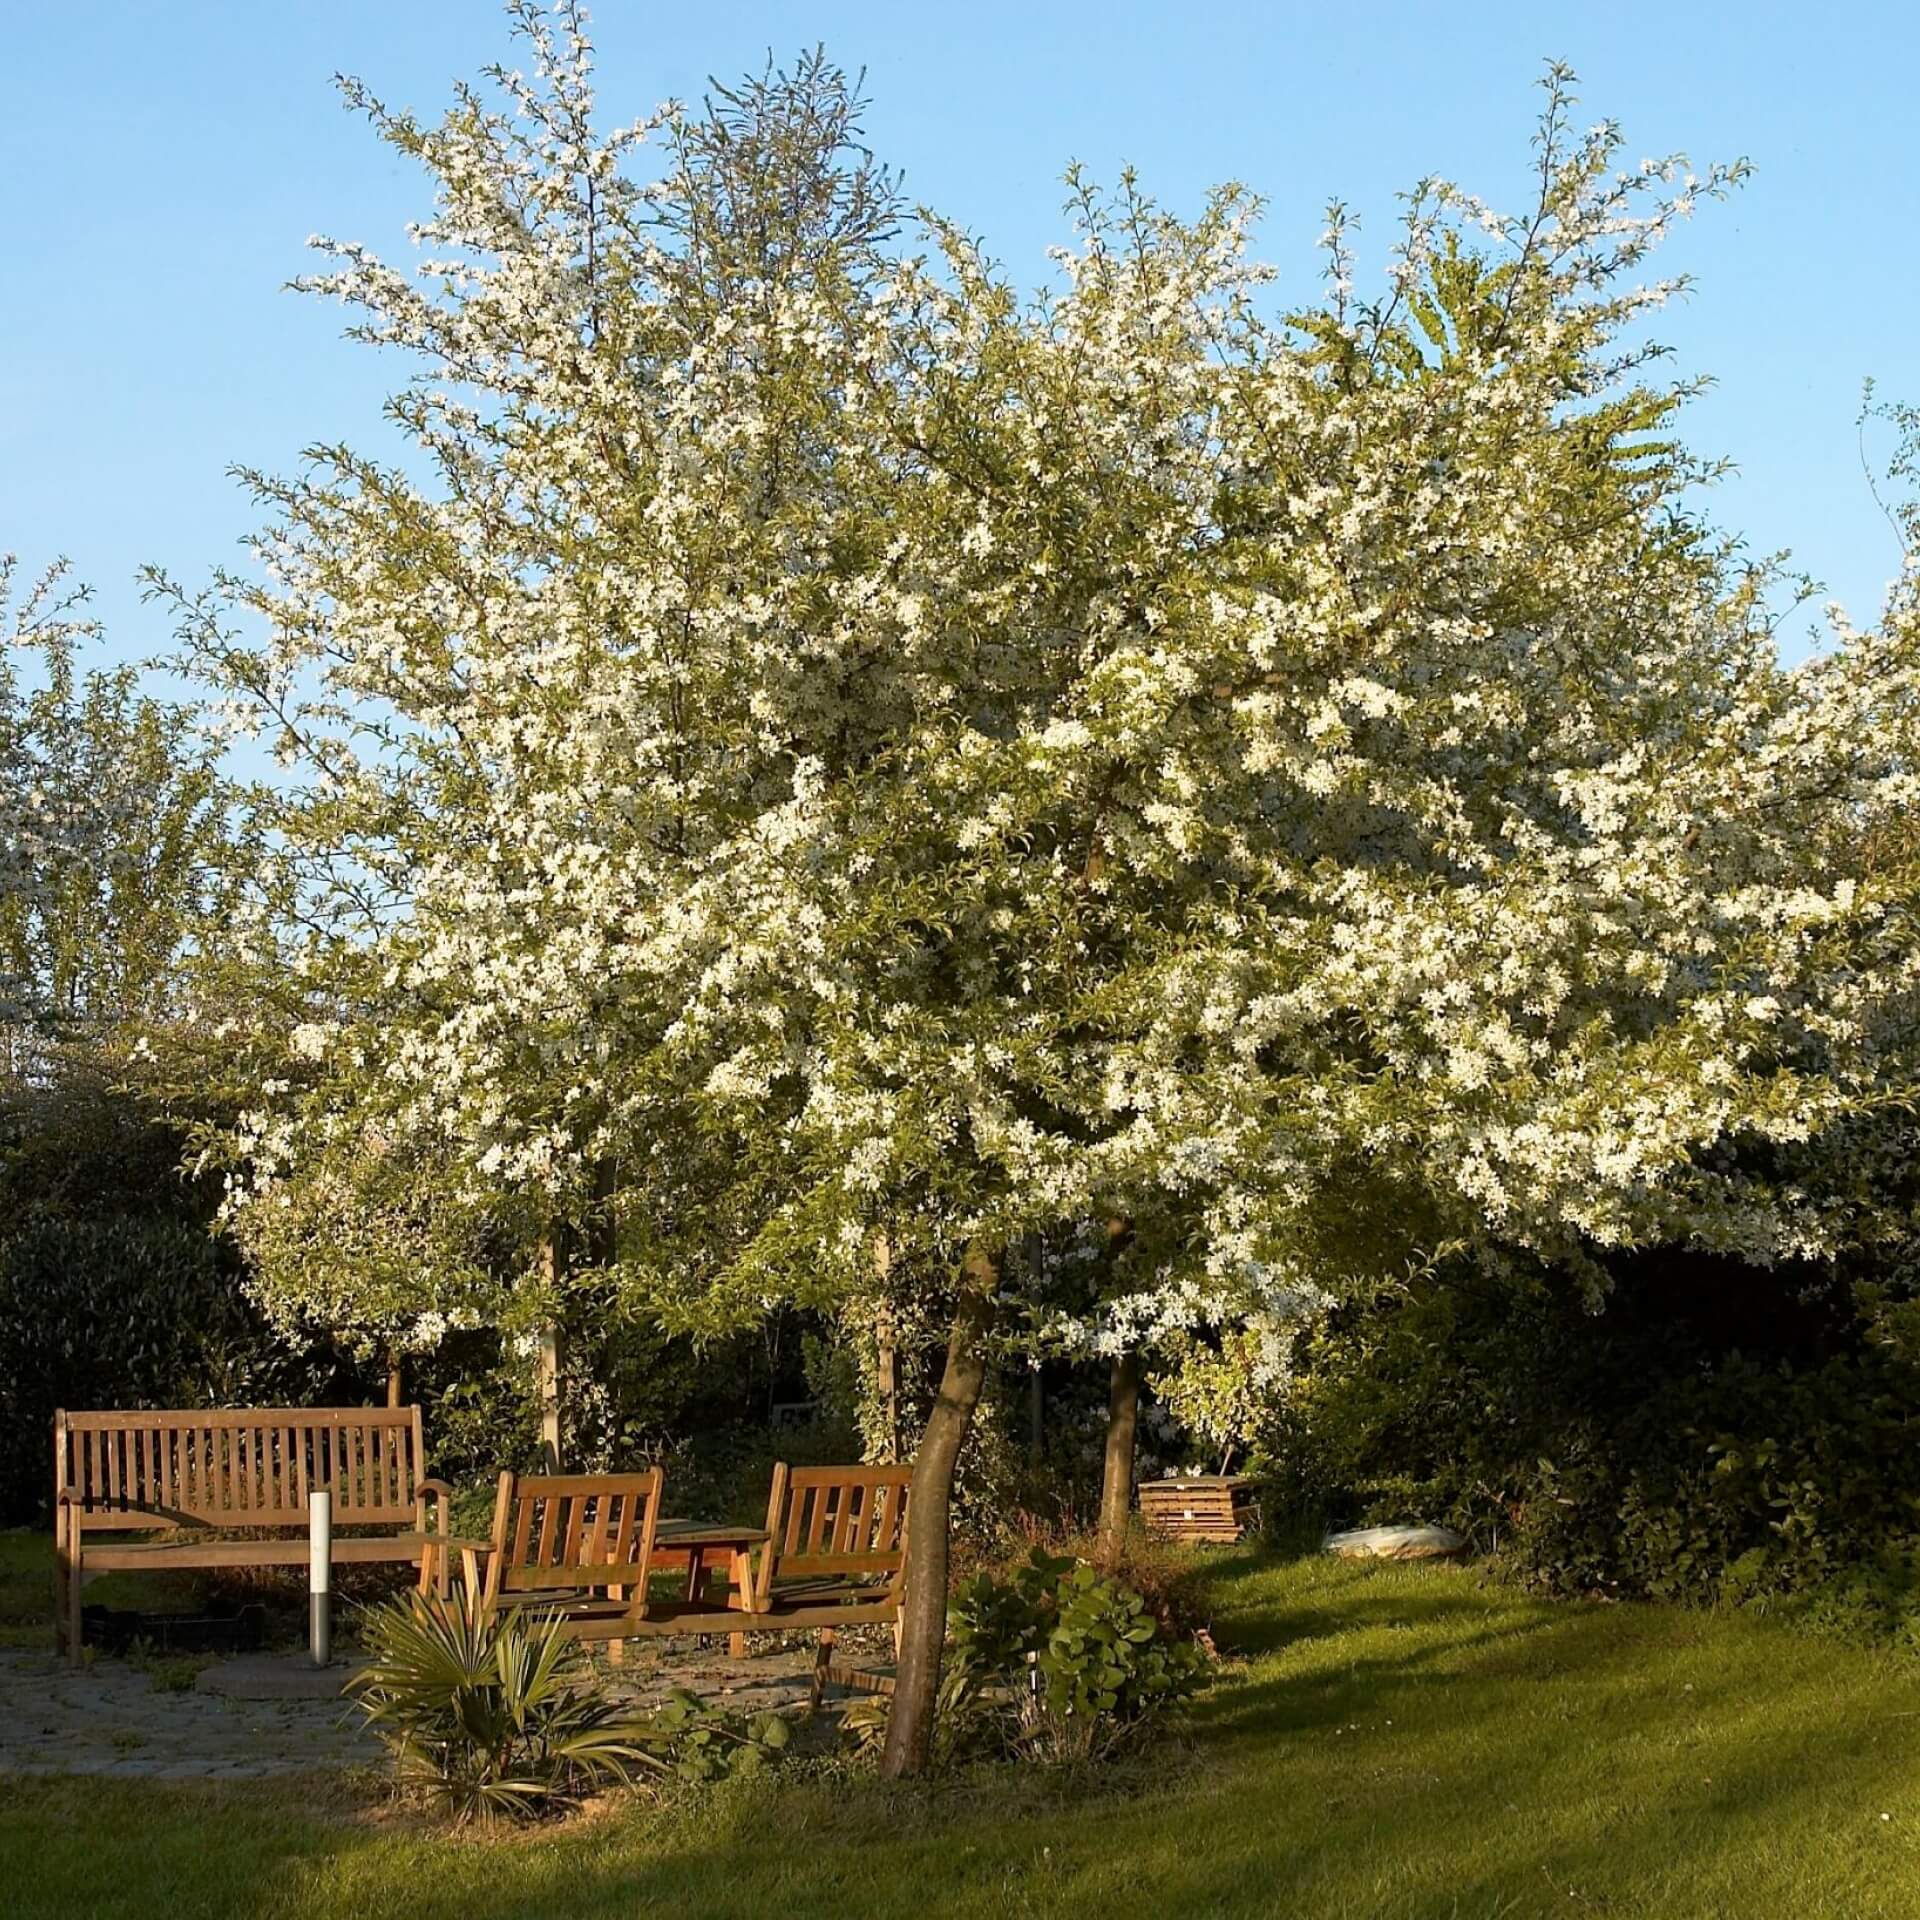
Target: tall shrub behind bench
column 126, row 1311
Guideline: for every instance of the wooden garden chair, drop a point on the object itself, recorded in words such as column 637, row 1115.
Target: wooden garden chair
column 836, row 1556
column 578, row 1546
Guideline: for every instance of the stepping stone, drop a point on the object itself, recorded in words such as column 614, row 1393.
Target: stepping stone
column 269, row 1676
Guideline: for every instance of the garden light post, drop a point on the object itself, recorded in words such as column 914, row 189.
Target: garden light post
column 319, row 1576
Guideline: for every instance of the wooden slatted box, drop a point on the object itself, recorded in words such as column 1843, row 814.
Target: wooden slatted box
column 1218, row 1507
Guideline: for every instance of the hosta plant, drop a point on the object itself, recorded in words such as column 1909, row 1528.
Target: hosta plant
column 487, row 1715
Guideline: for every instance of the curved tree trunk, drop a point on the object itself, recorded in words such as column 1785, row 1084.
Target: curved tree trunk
column 1116, row 1482
column 923, row 1612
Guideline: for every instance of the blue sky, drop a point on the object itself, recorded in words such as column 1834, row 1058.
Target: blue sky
column 161, row 165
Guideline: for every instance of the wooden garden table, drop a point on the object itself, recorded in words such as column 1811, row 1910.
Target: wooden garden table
column 704, row 1547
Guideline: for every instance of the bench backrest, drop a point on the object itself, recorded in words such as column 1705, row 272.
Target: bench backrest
column 826, row 1520
column 555, row 1530
column 244, row 1467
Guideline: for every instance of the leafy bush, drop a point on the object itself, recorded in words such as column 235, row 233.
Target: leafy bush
column 127, row 1312
column 1709, row 1435
column 1059, row 1663
column 491, row 1714
column 1166, row 1574
column 1105, row 1671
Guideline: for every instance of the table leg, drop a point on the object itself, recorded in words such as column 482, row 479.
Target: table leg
column 740, row 1595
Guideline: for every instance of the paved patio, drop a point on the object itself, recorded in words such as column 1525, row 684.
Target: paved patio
column 110, row 1716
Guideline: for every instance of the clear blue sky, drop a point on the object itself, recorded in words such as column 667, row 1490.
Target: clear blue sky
column 161, row 165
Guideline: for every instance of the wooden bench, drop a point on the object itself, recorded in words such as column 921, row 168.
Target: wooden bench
column 229, row 1489
column 584, row 1546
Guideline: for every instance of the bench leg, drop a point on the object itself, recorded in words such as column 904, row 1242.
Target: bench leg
column 822, row 1658
column 740, row 1595
column 74, row 1572
column 62, row 1576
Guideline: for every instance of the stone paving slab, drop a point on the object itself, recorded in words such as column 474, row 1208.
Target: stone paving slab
column 274, row 1676
column 110, row 1718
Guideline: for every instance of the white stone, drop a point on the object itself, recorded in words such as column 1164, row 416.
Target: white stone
column 1395, row 1543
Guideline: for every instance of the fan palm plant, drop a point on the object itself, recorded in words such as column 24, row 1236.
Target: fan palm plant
column 491, row 1714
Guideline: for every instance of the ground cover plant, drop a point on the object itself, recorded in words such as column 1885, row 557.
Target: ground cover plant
column 1395, row 1743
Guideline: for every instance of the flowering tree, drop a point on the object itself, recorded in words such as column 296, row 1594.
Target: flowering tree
column 864, row 757
column 109, row 815
column 1282, row 773
column 486, row 689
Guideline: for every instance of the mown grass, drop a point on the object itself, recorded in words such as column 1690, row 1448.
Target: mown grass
column 1390, row 1743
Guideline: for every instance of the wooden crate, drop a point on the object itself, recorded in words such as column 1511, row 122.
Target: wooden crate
column 1209, row 1506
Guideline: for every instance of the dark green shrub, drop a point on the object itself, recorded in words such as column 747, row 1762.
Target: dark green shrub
column 130, row 1311
column 1710, row 1434
column 1061, row 1662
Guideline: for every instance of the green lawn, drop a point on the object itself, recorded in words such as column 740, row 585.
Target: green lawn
column 1393, row 1742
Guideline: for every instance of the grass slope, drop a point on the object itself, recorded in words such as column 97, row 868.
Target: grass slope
column 1395, row 1742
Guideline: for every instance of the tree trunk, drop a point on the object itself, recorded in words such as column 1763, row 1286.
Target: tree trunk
column 923, row 1613
column 396, row 1385
column 1116, row 1484
column 886, row 1357
column 547, row 1369
column 546, row 1365
column 603, row 1238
